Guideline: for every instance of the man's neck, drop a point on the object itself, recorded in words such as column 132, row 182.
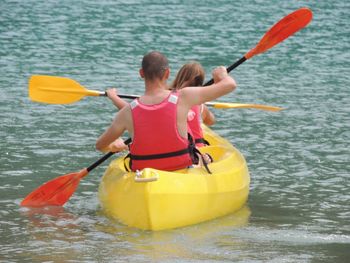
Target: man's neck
column 155, row 92
column 155, row 87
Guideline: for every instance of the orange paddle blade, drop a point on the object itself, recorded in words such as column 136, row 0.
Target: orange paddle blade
column 286, row 27
column 55, row 192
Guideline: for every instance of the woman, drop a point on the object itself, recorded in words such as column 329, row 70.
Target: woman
column 192, row 75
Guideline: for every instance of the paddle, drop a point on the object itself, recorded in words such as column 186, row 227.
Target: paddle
column 283, row 29
column 226, row 105
column 58, row 191
column 60, row 90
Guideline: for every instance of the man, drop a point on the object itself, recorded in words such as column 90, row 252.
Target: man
column 157, row 121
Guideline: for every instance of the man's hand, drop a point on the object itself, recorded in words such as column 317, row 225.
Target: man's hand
column 219, row 73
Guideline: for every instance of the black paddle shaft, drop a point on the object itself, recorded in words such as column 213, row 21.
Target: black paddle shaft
column 99, row 161
column 123, row 96
column 234, row 65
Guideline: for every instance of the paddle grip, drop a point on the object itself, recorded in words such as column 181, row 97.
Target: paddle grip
column 123, row 96
column 105, row 157
column 234, row 65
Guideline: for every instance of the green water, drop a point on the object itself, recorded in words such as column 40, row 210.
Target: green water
column 299, row 159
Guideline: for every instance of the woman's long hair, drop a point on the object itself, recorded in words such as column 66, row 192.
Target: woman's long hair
column 190, row 75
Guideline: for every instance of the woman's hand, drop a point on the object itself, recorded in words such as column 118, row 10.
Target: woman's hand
column 112, row 93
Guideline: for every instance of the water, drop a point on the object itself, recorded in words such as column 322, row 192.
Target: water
column 299, row 159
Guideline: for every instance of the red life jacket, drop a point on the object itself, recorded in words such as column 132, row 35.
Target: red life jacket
column 194, row 121
column 157, row 143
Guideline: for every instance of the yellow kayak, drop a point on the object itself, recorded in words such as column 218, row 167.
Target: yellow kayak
column 156, row 200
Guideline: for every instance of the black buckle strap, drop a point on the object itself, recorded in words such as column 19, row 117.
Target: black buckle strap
column 127, row 141
column 194, row 152
column 202, row 140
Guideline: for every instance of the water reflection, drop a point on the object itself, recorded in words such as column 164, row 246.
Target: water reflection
column 177, row 243
column 53, row 233
column 50, row 216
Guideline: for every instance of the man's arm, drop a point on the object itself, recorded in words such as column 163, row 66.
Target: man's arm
column 223, row 84
column 113, row 132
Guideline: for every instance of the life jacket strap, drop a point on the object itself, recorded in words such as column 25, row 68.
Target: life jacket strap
column 194, row 152
column 191, row 149
column 159, row 156
column 202, row 140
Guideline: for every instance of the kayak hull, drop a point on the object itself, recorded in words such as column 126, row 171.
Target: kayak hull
column 158, row 200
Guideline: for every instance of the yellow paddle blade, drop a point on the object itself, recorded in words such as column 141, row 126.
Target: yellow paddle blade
column 57, row 90
column 223, row 105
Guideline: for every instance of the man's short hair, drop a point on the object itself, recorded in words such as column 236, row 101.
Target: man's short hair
column 154, row 65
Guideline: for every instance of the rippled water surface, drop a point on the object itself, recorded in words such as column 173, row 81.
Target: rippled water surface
column 299, row 159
